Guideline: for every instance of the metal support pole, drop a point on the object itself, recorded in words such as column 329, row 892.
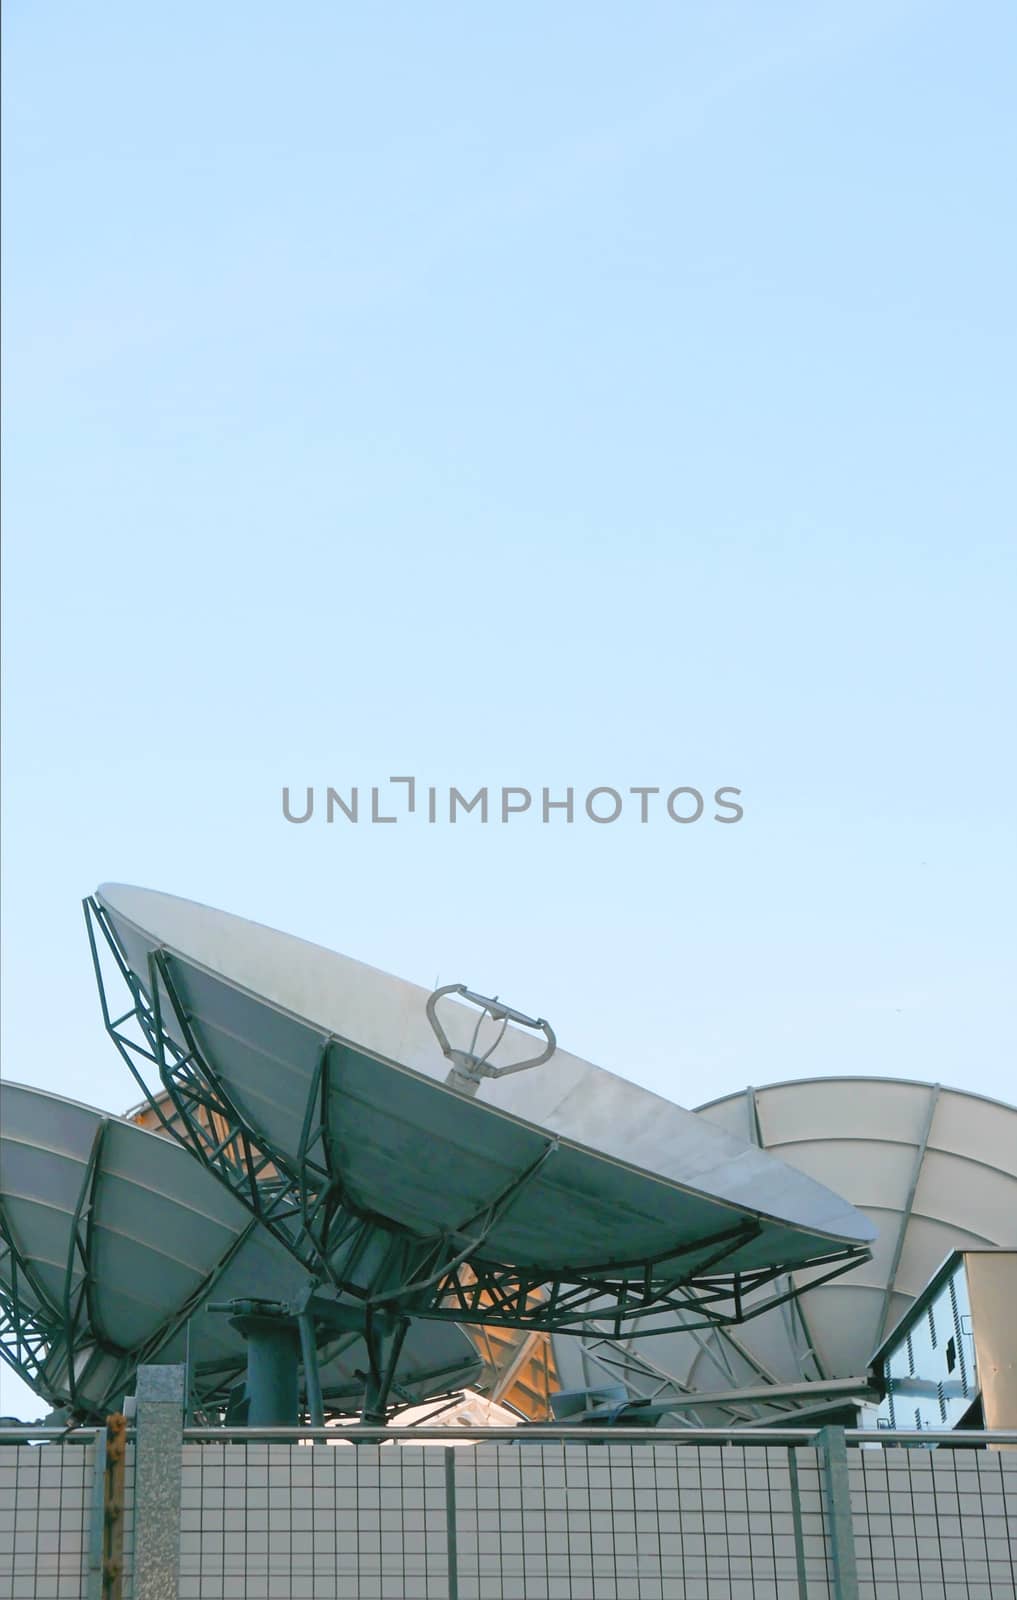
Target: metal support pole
column 312, row 1377
column 157, row 1476
column 796, row 1522
column 188, row 1378
column 384, row 1336
column 450, row 1522
column 273, row 1380
column 832, row 1448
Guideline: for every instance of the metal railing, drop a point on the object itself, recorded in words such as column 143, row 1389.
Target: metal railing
column 28, row 1433
column 958, row 1439
column 358, row 1433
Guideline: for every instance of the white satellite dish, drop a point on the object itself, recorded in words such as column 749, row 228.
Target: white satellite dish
column 112, row 1242
column 933, row 1168
column 449, row 1152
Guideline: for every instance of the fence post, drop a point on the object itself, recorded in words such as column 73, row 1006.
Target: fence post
column 796, row 1523
column 159, row 1420
column 97, row 1518
column 832, row 1447
column 450, row 1522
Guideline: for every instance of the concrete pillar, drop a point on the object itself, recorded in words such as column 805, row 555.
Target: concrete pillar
column 158, row 1443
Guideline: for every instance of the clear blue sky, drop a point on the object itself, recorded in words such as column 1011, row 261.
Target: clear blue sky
column 541, row 395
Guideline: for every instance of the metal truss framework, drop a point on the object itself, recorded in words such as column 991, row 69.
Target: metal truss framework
column 307, row 1206
column 43, row 1340
column 36, row 1343
column 27, row 1321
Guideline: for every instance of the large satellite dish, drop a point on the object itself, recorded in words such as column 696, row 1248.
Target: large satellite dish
column 935, row 1169
column 366, row 1120
column 112, row 1241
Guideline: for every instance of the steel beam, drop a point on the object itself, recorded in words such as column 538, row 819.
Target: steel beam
column 898, row 1248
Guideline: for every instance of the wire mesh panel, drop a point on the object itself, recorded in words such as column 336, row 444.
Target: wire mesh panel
column 500, row 1521
column 264, row 1520
column 650, row 1522
column 935, row 1524
column 46, row 1493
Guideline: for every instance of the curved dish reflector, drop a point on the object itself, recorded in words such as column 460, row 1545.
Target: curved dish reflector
column 566, row 1171
column 933, row 1168
column 112, row 1239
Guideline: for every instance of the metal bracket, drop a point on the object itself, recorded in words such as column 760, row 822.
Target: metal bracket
column 468, row 1066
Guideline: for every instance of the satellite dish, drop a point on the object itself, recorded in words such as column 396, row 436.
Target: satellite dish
column 335, row 1098
column 112, row 1240
column 934, row 1169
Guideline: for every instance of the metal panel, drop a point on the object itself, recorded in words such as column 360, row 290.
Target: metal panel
column 992, row 1290
column 967, row 1193
column 969, row 1125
